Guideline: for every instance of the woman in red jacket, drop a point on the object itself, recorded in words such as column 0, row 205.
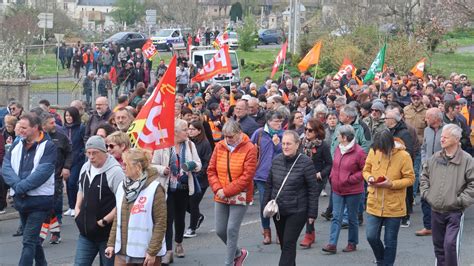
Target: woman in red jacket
column 347, row 185
column 230, row 173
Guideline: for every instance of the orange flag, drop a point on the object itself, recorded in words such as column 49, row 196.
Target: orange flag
column 419, row 68
column 312, row 58
column 152, row 128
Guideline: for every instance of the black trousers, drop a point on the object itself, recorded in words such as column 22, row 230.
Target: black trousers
column 193, row 208
column 288, row 230
column 3, row 193
column 176, row 203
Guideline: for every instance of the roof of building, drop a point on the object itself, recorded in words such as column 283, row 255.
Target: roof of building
column 96, row 2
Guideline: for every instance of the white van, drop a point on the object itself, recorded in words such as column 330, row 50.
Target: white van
column 165, row 39
column 200, row 56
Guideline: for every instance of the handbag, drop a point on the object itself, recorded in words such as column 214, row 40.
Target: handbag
column 272, row 207
column 241, row 197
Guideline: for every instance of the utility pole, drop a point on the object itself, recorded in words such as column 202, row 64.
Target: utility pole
column 290, row 28
column 296, row 31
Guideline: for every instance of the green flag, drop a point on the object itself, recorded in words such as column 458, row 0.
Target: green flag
column 377, row 65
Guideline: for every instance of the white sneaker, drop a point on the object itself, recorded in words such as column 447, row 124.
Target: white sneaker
column 324, row 194
column 73, row 213
column 3, row 211
column 68, row 212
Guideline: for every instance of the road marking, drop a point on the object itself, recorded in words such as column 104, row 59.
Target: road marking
column 243, row 224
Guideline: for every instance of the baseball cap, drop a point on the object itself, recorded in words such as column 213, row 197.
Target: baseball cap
column 417, row 93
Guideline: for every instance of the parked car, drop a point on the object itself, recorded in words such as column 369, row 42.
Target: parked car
column 165, row 39
column 266, row 36
column 127, row 39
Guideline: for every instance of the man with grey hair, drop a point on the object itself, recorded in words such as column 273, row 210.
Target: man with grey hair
column 241, row 115
column 447, row 184
column 101, row 115
column 349, row 116
column 256, row 112
column 431, row 144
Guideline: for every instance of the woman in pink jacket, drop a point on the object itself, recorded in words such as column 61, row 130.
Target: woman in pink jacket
column 347, row 185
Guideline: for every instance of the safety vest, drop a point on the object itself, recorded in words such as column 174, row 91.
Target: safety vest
column 86, row 58
column 140, row 223
column 216, row 132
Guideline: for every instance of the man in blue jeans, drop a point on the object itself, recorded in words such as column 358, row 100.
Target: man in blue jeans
column 28, row 168
column 95, row 205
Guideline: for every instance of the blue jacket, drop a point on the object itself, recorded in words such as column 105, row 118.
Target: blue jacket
column 27, row 181
column 3, row 112
column 76, row 133
column 266, row 152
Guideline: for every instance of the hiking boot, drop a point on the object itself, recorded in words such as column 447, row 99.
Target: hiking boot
column 308, row 240
column 267, row 236
column 350, row 247
column 330, row 249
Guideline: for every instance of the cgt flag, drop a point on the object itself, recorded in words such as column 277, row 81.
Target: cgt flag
column 219, row 64
column 149, row 49
column 311, row 58
column 346, row 67
column 281, row 56
column 221, row 40
column 153, row 127
column 419, row 68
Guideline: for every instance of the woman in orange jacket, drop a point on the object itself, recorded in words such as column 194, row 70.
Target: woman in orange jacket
column 230, row 173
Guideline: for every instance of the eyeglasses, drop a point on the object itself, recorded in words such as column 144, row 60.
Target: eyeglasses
column 110, row 146
column 200, row 103
column 310, row 130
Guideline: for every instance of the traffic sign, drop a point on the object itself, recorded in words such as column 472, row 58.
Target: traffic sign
column 150, row 18
column 45, row 24
column 150, row 12
column 46, row 16
column 59, row 37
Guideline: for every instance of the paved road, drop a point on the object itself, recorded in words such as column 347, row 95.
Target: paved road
column 206, row 248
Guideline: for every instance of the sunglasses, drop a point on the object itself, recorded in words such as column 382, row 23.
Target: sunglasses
column 310, row 130
column 198, row 104
column 110, row 146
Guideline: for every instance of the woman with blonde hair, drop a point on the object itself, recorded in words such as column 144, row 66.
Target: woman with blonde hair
column 117, row 143
column 138, row 231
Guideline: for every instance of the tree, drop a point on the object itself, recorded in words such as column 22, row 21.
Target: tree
column 128, row 11
column 247, row 38
column 236, row 12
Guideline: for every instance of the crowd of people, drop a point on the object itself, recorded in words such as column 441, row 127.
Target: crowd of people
column 376, row 146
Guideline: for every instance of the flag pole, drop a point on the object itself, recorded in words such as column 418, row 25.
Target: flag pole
column 316, row 71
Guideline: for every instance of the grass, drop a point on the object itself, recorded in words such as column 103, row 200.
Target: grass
column 63, row 86
column 453, row 62
column 41, row 65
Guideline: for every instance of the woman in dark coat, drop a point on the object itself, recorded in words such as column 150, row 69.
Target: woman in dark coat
column 314, row 146
column 298, row 199
column 197, row 135
column 75, row 131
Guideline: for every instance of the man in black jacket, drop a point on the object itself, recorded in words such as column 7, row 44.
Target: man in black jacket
column 101, row 115
column 95, row 209
column 62, row 170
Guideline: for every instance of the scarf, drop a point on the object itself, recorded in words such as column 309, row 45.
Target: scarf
column 344, row 149
column 133, row 187
column 310, row 146
column 271, row 131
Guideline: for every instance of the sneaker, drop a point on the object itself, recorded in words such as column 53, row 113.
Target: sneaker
column 405, row 223
column 73, row 213
column 324, row 194
column 190, row 233
column 327, row 216
column 200, row 220
column 350, row 248
column 344, row 225
column 239, row 261
column 3, row 211
column 68, row 212
column 55, row 239
column 19, row 231
column 330, row 249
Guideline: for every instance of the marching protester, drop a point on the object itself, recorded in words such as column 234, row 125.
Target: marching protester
column 138, row 231
column 292, row 183
column 388, row 171
column 447, row 184
column 230, row 172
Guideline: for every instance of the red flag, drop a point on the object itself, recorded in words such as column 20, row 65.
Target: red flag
column 153, row 127
column 281, row 56
column 149, row 49
column 346, row 67
column 219, row 64
column 221, row 40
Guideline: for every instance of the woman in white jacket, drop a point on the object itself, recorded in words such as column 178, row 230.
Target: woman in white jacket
column 176, row 166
